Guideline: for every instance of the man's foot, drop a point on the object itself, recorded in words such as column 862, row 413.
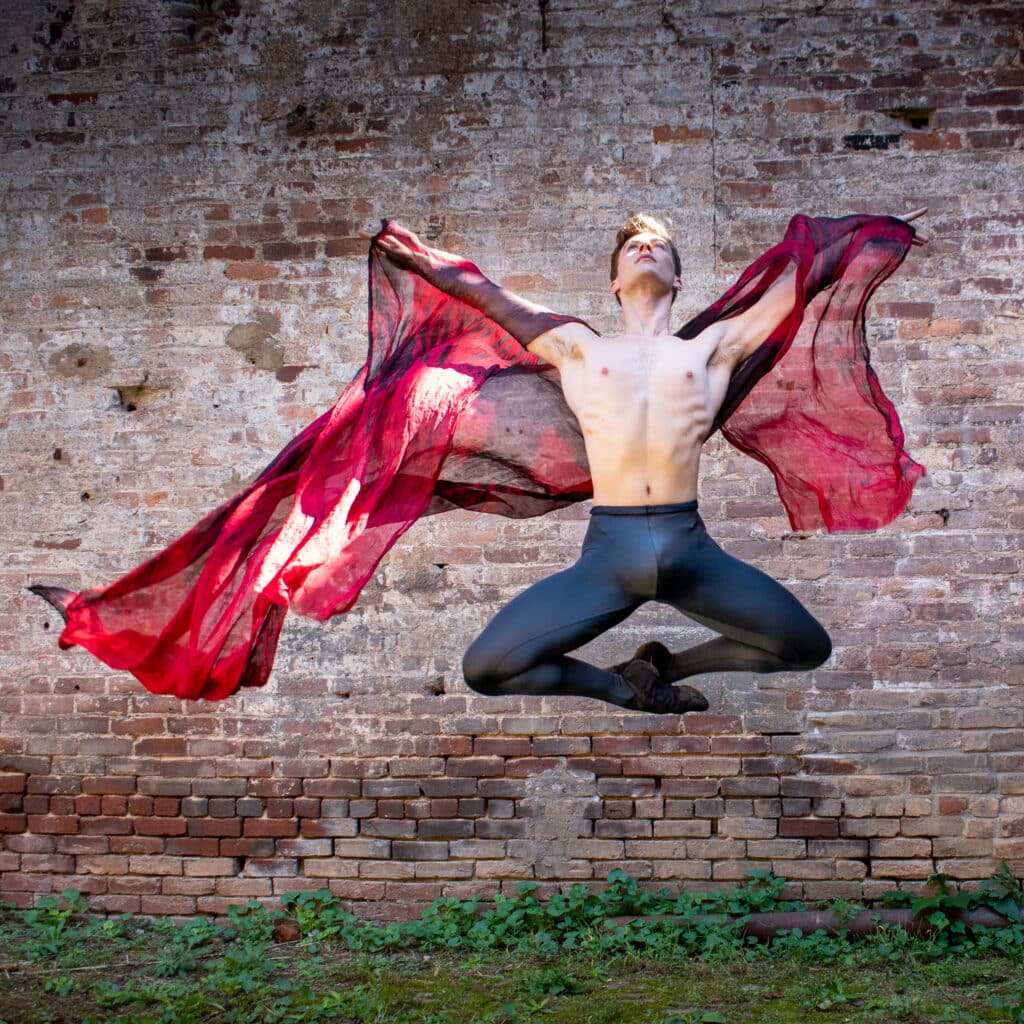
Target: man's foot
column 653, row 694
column 653, row 652
column 657, row 654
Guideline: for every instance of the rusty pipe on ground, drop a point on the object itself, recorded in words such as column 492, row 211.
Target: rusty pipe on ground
column 769, row 924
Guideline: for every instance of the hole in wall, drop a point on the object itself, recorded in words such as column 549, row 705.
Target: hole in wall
column 912, row 117
column 131, row 396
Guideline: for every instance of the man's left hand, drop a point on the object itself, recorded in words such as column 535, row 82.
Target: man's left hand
column 918, row 239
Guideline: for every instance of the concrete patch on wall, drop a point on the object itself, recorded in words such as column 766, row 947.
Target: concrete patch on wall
column 86, row 362
column 257, row 342
column 556, row 805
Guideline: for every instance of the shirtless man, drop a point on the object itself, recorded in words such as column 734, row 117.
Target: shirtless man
column 645, row 401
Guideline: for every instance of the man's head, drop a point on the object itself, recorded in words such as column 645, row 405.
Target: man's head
column 643, row 234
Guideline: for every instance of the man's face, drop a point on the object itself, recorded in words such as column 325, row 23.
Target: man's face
column 646, row 259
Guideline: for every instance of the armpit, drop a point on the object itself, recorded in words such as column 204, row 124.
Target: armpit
column 725, row 346
column 565, row 342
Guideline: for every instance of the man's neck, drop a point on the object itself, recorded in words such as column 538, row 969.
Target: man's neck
column 646, row 315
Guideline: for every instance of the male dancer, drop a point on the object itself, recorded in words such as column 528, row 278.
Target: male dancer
column 646, row 402
column 449, row 411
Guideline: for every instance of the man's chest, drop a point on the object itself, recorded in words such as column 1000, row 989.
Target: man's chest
column 631, row 373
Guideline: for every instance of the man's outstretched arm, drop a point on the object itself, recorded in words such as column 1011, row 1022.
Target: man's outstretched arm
column 742, row 335
column 548, row 335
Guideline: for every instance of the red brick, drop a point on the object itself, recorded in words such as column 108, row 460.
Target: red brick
column 251, row 272
column 52, row 824
column 816, row 828
column 712, row 724
column 476, row 767
column 225, row 827
column 159, row 826
column 263, row 827
column 193, row 846
column 618, row 745
column 280, row 251
column 502, row 746
column 12, row 782
column 230, row 253
column 680, row 133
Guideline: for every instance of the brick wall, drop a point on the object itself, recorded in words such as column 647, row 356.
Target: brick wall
column 183, row 288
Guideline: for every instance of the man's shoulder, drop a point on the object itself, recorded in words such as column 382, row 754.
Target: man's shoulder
column 715, row 341
column 567, row 341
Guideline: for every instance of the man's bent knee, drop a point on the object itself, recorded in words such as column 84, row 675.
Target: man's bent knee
column 812, row 648
column 480, row 670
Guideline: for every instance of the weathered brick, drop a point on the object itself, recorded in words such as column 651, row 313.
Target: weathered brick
column 907, row 869
column 899, row 743
column 675, row 827
column 811, row 828
column 622, row 829
column 475, row 767
column 901, row 848
column 748, row 828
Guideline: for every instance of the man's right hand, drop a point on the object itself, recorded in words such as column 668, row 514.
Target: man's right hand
column 522, row 319
column 397, row 244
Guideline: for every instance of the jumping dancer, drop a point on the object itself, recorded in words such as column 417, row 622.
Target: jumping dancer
column 645, row 401
column 472, row 397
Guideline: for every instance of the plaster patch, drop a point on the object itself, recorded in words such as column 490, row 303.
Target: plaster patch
column 86, row 362
column 555, row 806
column 257, row 342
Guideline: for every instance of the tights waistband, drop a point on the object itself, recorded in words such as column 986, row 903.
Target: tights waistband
column 643, row 510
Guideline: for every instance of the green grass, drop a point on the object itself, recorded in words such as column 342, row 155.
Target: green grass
column 523, row 960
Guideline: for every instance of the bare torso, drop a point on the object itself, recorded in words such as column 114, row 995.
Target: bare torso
column 645, row 406
column 645, row 399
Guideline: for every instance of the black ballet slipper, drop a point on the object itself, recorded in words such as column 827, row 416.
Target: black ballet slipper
column 653, row 652
column 657, row 654
column 653, row 694
column 56, row 596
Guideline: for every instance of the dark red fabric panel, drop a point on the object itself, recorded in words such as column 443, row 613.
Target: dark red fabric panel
column 450, row 411
column 807, row 403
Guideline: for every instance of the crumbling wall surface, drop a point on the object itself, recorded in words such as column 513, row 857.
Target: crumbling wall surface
column 182, row 288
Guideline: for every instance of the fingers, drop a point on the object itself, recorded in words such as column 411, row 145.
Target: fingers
column 386, row 243
column 915, row 214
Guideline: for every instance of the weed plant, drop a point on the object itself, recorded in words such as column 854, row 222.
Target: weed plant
column 620, row 955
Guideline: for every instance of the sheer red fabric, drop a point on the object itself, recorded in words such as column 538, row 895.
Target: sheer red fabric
column 818, row 418
column 449, row 411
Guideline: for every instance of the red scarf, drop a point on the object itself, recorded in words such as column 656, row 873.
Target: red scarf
column 449, row 411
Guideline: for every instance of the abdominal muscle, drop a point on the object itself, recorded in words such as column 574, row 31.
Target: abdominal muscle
column 645, row 406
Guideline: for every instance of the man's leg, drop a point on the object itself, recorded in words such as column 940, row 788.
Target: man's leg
column 523, row 649
column 764, row 627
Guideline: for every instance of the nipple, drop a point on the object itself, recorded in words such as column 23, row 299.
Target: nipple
column 689, row 374
column 604, row 371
